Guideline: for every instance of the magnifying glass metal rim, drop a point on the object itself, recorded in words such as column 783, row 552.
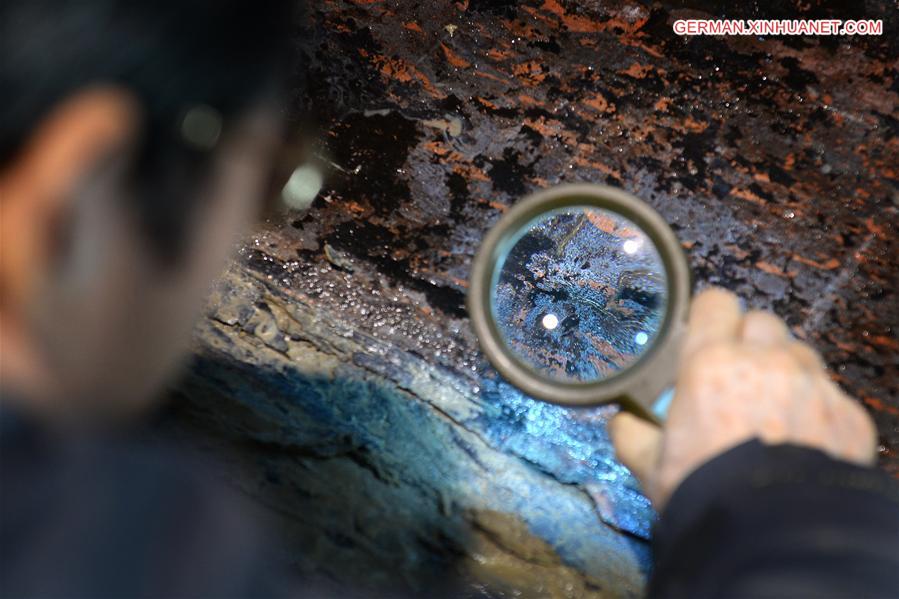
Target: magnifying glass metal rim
column 636, row 386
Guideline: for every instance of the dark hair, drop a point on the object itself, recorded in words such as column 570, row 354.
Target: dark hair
column 172, row 54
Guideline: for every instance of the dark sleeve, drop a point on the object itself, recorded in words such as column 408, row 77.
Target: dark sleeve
column 779, row 521
column 116, row 521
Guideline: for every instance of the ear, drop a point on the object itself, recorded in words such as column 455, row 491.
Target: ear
column 37, row 187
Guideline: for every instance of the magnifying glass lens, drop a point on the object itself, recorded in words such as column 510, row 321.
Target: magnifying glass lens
column 580, row 294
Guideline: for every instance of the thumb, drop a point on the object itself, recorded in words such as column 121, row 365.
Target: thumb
column 637, row 444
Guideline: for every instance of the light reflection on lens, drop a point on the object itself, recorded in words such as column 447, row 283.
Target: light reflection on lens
column 580, row 295
column 630, row 246
column 550, row 321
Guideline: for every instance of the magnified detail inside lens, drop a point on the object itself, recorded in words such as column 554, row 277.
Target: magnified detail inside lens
column 580, row 295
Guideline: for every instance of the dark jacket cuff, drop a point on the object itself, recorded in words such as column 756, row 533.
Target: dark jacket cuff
column 787, row 504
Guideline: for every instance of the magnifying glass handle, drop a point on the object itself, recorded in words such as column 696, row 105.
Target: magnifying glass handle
column 651, row 404
column 663, row 404
column 651, row 398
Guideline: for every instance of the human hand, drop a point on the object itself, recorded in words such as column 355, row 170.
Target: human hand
column 741, row 377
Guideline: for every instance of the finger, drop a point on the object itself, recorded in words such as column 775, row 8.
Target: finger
column 763, row 328
column 861, row 444
column 637, row 444
column 714, row 317
column 842, row 434
column 845, row 444
column 867, row 449
column 807, row 357
column 811, row 412
column 856, row 434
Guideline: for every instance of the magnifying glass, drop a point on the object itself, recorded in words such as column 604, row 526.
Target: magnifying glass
column 579, row 297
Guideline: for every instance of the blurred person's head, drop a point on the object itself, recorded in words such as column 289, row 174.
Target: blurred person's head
column 134, row 141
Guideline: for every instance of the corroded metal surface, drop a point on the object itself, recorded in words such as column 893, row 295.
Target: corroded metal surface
column 339, row 344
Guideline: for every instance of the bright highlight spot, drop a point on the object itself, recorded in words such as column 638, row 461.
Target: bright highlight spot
column 550, row 321
column 641, row 338
column 302, row 187
column 631, row 246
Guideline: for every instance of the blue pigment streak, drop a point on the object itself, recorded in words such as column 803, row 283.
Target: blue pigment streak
column 569, row 444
